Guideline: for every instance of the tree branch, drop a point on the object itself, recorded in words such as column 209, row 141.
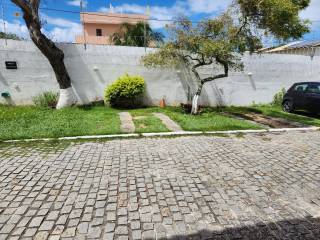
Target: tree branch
column 208, row 63
column 209, row 79
column 242, row 26
column 23, row 5
column 35, row 5
column 192, row 58
column 194, row 70
column 224, row 75
column 200, row 64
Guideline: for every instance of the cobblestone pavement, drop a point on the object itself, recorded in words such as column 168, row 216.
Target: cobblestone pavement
column 200, row 187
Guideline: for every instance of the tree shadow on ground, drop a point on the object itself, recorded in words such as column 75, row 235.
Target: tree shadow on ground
column 292, row 229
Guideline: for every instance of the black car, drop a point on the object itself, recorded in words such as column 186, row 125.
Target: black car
column 302, row 96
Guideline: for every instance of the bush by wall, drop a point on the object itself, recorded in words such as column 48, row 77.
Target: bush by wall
column 278, row 98
column 47, row 99
column 125, row 92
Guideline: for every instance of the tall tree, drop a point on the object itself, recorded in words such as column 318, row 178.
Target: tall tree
column 213, row 42
column 55, row 56
column 278, row 18
column 221, row 41
column 139, row 35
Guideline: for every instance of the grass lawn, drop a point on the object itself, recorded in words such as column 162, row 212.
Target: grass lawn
column 209, row 120
column 145, row 122
column 275, row 111
column 32, row 122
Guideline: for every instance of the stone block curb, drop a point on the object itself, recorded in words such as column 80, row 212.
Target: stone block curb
column 164, row 134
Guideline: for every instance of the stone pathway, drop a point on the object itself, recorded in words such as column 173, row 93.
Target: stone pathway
column 127, row 125
column 168, row 122
column 198, row 187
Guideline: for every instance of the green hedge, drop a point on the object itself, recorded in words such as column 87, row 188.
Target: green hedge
column 127, row 91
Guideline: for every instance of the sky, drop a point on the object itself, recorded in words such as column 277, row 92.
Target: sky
column 64, row 26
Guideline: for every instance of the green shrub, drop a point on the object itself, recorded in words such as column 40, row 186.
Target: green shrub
column 48, row 99
column 278, row 98
column 125, row 92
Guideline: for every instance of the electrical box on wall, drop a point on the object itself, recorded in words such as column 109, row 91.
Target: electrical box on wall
column 11, row 65
column 5, row 94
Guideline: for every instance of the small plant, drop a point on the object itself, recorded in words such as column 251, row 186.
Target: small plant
column 48, row 99
column 125, row 92
column 278, row 98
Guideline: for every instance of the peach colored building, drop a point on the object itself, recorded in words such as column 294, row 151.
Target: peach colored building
column 98, row 27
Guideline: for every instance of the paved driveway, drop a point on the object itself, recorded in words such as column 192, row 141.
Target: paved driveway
column 251, row 187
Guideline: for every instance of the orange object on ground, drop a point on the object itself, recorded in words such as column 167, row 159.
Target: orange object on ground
column 162, row 103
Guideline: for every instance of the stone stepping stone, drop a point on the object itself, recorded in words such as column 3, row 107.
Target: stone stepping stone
column 127, row 125
column 168, row 122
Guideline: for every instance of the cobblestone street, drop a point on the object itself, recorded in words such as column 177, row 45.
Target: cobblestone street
column 256, row 186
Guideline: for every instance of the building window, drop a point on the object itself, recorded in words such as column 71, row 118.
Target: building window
column 98, row 32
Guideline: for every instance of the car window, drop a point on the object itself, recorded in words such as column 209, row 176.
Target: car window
column 314, row 88
column 301, row 87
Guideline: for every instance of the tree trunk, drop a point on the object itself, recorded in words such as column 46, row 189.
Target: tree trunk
column 201, row 82
column 195, row 100
column 56, row 59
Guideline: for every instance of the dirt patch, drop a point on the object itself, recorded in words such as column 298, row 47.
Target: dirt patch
column 142, row 126
column 139, row 117
column 270, row 121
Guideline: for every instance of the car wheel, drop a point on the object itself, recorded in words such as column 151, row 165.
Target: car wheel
column 287, row 106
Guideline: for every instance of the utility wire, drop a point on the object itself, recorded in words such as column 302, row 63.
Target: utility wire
column 136, row 18
column 103, row 14
column 4, row 20
column 125, row 17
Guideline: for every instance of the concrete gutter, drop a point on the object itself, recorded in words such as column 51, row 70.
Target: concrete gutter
column 166, row 134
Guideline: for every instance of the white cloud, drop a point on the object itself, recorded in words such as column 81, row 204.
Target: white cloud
column 15, row 27
column 60, row 22
column 76, row 3
column 64, row 34
column 186, row 8
column 208, row 6
column 63, row 30
column 156, row 12
column 312, row 13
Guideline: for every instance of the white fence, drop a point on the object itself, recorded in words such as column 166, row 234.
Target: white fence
column 91, row 70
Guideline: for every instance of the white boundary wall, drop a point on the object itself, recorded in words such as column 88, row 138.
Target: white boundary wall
column 91, row 70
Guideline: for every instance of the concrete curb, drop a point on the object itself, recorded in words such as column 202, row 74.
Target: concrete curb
column 131, row 135
column 265, row 130
column 181, row 133
column 164, row 134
